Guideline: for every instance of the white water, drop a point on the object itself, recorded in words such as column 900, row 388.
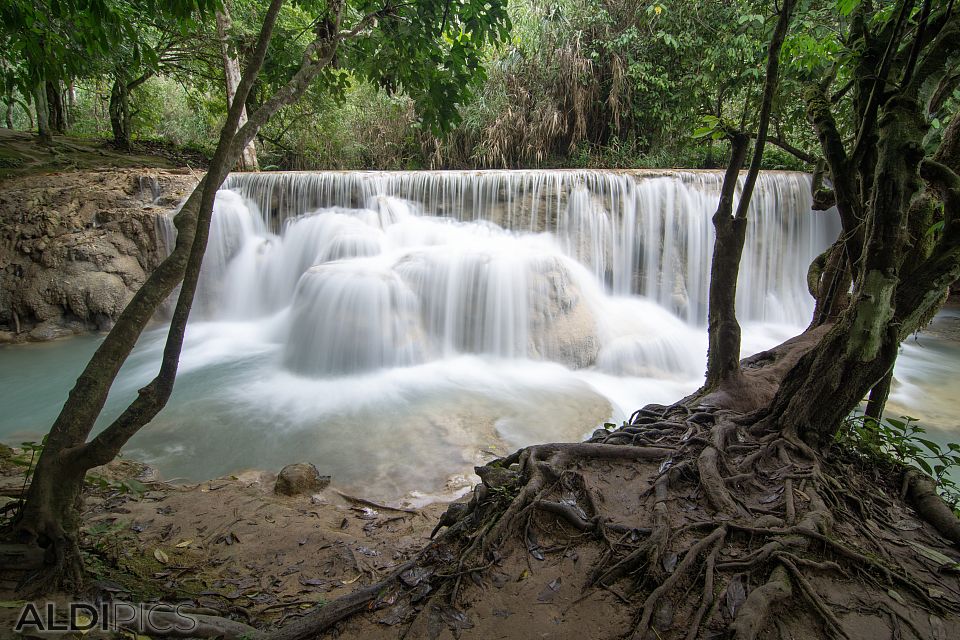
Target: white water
column 391, row 326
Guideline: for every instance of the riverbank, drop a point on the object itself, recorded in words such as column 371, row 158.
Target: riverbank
column 229, row 544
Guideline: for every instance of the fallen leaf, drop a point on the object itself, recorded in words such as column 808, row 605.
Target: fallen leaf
column 420, row 592
column 161, row 556
column 663, row 618
column 669, row 562
column 907, row 525
column 414, row 576
column 312, row 582
column 549, row 591
column 455, row 618
column 896, row 596
column 735, row 596
column 931, row 554
column 184, row 544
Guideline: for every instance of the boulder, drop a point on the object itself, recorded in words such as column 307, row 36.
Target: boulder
column 297, row 479
column 563, row 327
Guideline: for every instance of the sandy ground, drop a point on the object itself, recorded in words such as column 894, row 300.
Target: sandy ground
column 231, row 544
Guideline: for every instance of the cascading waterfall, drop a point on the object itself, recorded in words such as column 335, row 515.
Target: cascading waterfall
column 391, row 327
column 587, row 268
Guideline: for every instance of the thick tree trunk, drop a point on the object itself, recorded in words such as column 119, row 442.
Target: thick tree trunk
column 43, row 122
column 859, row 352
column 120, row 113
column 52, row 511
column 231, row 72
column 57, row 119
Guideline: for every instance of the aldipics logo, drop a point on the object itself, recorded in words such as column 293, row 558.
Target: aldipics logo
column 107, row 616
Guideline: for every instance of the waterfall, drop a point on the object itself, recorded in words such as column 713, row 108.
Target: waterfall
column 373, row 270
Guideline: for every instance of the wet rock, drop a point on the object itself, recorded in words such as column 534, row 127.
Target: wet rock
column 563, row 326
column 300, row 478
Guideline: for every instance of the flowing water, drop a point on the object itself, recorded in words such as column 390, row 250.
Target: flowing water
column 397, row 328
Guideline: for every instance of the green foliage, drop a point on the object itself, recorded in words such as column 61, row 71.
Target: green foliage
column 902, row 442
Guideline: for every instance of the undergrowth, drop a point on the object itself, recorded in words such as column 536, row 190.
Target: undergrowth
column 902, row 442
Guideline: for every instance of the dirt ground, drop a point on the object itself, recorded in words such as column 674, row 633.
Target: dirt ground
column 229, row 544
column 21, row 155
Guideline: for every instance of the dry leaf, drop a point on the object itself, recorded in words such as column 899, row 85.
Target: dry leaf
column 160, row 556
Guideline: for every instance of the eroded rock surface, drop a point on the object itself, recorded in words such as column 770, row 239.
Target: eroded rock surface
column 74, row 247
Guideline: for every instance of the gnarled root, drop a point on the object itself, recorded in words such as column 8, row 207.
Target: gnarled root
column 921, row 492
column 754, row 616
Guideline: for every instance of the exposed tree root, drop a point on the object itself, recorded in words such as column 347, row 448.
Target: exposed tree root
column 162, row 622
column 922, row 494
column 757, row 609
column 729, row 529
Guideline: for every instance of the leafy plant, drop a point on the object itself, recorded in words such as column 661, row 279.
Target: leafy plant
column 901, row 441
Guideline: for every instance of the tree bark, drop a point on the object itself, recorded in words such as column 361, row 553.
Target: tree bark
column 723, row 352
column 57, row 120
column 723, row 355
column 859, row 352
column 43, row 122
column 49, row 516
column 878, row 397
column 120, row 113
column 231, row 72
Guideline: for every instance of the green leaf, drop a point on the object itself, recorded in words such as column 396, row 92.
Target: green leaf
column 846, row 7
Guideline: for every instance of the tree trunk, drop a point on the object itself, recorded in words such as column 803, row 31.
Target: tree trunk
column 859, row 352
column 723, row 355
column 57, row 120
column 231, row 72
column 878, row 397
column 43, row 122
column 723, row 352
column 67, row 453
column 120, row 113
column 71, row 103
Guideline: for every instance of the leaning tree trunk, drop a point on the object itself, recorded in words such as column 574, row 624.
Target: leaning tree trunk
column 231, row 72
column 859, row 351
column 49, row 516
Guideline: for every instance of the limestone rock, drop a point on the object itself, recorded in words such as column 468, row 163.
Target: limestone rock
column 563, row 327
column 297, row 479
column 75, row 246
